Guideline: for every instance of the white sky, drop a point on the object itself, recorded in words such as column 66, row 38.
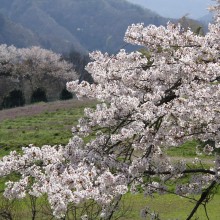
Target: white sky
column 177, row 8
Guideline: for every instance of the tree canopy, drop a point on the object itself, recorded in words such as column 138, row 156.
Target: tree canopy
column 146, row 105
column 33, row 62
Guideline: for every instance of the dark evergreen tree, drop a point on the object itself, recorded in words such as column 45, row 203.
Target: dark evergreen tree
column 14, row 99
column 65, row 95
column 39, row 95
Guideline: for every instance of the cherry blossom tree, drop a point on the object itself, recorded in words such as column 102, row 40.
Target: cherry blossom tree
column 28, row 67
column 146, row 105
column 37, row 61
column 8, row 57
column 34, row 62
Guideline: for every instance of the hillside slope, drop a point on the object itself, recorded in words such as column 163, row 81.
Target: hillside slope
column 79, row 25
column 12, row 33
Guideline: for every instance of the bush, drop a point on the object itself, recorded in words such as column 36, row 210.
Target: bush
column 39, row 95
column 65, row 95
column 14, row 99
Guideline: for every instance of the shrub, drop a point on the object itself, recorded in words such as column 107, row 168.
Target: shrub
column 65, row 95
column 39, row 95
column 14, row 99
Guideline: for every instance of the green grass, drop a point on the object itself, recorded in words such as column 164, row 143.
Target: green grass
column 169, row 207
column 46, row 128
column 188, row 149
column 21, row 209
column 55, row 128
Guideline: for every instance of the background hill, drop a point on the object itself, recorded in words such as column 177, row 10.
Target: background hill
column 71, row 27
column 71, row 24
column 14, row 33
column 206, row 19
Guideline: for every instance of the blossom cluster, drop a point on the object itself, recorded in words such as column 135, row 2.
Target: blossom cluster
column 57, row 172
column 34, row 61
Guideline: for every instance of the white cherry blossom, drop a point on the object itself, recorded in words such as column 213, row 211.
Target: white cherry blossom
column 147, row 103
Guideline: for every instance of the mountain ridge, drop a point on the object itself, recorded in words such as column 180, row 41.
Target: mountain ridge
column 78, row 25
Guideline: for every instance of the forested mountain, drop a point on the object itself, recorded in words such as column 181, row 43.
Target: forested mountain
column 12, row 33
column 81, row 25
column 206, row 19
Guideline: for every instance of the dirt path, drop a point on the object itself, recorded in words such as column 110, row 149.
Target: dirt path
column 38, row 108
column 207, row 161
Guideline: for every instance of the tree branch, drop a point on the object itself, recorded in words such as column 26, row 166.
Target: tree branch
column 183, row 172
column 202, row 198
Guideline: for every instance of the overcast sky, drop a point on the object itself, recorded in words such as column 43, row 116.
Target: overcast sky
column 177, row 8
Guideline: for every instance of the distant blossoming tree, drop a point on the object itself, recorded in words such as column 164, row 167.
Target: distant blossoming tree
column 33, row 62
column 146, row 106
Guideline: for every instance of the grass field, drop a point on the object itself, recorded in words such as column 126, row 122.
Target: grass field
column 169, row 207
column 48, row 126
column 53, row 126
